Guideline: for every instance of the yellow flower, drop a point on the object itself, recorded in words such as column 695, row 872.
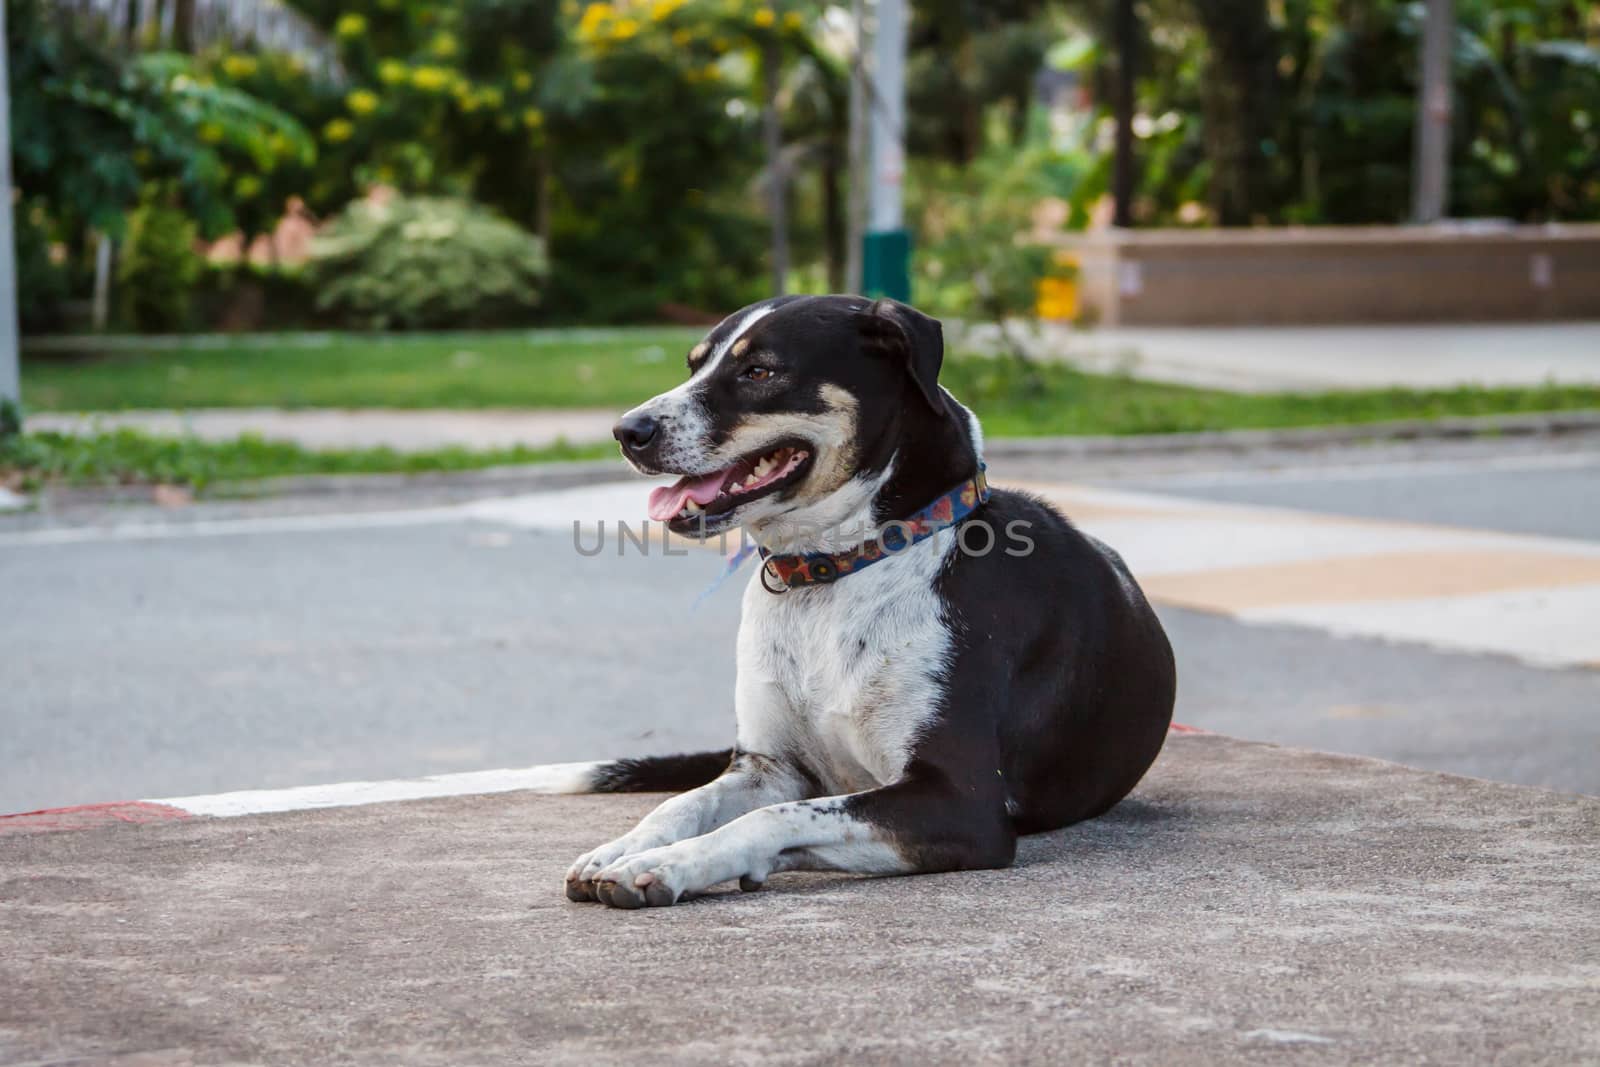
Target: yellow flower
column 210, row 132
column 681, row 37
column 393, row 72
column 522, row 80
column 430, row 79
column 362, row 102
column 533, row 118
column 469, row 102
column 338, row 130
column 239, row 67
column 793, row 20
column 711, row 73
column 765, row 17
column 351, row 25
column 625, row 28
column 594, row 16
column 444, row 45
column 663, row 9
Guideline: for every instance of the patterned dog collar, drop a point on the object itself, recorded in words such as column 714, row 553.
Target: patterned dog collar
column 820, row 568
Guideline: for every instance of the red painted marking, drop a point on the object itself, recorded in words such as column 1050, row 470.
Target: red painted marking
column 88, row 816
column 1179, row 728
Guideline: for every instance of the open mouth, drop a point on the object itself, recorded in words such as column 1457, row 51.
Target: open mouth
column 698, row 497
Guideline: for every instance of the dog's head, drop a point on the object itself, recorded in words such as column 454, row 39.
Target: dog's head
column 801, row 411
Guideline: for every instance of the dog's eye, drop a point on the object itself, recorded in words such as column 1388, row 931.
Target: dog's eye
column 756, row 374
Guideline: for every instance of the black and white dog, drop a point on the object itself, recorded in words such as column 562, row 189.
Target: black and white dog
column 908, row 699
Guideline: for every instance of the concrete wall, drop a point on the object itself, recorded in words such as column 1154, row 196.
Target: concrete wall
column 1451, row 272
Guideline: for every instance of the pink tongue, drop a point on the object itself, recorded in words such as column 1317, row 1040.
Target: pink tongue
column 668, row 500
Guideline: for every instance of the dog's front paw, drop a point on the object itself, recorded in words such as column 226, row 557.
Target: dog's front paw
column 654, row 878
column 580, row 876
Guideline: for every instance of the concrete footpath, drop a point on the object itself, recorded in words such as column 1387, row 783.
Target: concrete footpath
column 1248, row 904
column 339, row 428
column 1270, row 359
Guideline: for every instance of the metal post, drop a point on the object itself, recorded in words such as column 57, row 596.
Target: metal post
column 10, row 372
column 855, row 206
column 777, row 183
column 1430, row 177
column 886, row 251
column 100, row 314
column 1122, row 175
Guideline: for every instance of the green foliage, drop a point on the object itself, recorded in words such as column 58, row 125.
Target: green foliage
column 425, row 262
column 92, row 126
column 42, row 283
column 158, row 266
column 979, row 254
column 245, row 297
column 10, row 419
column 1303, row 111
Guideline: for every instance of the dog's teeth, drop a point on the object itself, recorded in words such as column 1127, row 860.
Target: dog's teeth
column 692, row 507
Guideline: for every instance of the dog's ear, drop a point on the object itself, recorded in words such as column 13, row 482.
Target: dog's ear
column 910, row 338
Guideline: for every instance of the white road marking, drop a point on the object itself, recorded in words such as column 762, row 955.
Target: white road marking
column 1357, row 472
column 1541, row 627
column 169, row 531
column 548, row 778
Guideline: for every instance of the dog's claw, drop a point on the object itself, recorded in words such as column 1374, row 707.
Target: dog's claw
column 747, row 884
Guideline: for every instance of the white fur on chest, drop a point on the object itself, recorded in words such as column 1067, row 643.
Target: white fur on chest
column 846, row 676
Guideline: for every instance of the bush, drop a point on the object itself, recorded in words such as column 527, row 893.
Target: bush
column 158, row 268
column 249, row 297
column 42, row 284
column 425, row 263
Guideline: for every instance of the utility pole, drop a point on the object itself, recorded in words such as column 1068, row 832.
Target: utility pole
column 886, row 249
column 10, row 374
column 777, row 184
column 855, row 213
column 1430, row 175
column 1122, row 172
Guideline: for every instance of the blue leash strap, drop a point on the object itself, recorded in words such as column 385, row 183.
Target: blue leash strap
column 735, row 560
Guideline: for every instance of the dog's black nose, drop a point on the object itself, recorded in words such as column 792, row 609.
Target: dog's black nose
column 635, row 431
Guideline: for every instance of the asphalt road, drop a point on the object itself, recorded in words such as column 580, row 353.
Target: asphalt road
column 209, row 662
column 1555, row 495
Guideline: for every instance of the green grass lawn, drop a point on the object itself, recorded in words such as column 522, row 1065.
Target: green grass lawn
column 586, row 368
column 617, row 368
column 611, row 368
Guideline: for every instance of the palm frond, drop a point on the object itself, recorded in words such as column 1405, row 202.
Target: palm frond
column 269, row 25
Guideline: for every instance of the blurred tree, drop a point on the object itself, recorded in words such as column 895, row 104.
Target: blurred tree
column 1302, row 110
column 91, row 126
column 965, row 57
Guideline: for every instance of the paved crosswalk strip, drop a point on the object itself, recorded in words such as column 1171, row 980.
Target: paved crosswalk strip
column 1536, row 599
